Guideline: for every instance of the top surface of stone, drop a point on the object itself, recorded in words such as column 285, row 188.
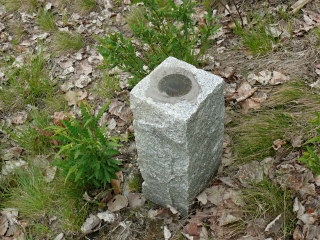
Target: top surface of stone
column 176, row 87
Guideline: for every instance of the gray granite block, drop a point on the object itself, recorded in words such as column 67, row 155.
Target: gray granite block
column 178, row 122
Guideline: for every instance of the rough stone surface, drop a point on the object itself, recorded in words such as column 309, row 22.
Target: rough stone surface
column 179, row 138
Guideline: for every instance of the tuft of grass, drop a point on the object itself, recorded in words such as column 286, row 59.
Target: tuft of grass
column 26, row 5
column 30, row 139
column 135, row 183
column 67, row 42
column 254, row 136
column 285, row 112
column 256, row 36
column 87, row 5
column 38, row 201
column 107, row 86
column 267, row 200
column 29, row 84
column 46, row 20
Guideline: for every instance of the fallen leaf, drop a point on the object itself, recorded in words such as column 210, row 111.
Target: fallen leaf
column 277, row 144
column 121, row 110
column 317, row 180
column 71, row 97
column 296, row 141
column 298, row 5
column 50, row 173
column 227, row 72
column 249, row 104
column 4, row 224
column 166, row 233
column 83, row 81
column 278, row 78
column 117, row 203
column 90, row 224
column 60, row 236
column 298, row 207
column 202, row 197
column 82, row 94
column 10, row 166
column 136, row 200
column 226, row 219
column 275, row 225
column 116, row 183
column 214, row 194
column 192, row 229
column 244, row 91
column 107, row 216
column 84, row 68
column 308, row 218
column 61, row 116
column 316, row 84
column 19, row 118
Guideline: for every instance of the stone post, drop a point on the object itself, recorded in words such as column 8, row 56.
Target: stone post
column 178, row 122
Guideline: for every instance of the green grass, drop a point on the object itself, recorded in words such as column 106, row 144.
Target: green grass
column 284, row 114
column 135, row 183
column 87, row 5
column 29, row 84
column 29, row 138
column 107, row 86
column 46, row 20
column 27, row 5
column 256, row 37
column 37, row 201
column 267, row 200
column 65, row 42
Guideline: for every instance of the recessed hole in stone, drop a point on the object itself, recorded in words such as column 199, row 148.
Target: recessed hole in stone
column 175, row 85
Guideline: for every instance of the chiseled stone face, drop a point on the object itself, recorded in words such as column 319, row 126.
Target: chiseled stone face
column 178, row 121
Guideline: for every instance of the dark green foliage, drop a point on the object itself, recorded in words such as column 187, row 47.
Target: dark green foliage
column 163, row 29
column 311, row 156
column 87, row 153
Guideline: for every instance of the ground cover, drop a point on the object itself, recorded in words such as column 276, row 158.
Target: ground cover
column 57, row 57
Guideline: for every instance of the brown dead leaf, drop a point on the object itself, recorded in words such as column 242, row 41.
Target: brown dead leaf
column 192, row 229
column 277, row 144
column 244, row 91
column 165, row 212
column 4, row 224
column 136, row 200
column 91, row 224
column 227, row 72
column 71, row 97
column 278, row 78
column 275, row 225
column 116, row 183
column 249, row 104
column 117, row 203
column 84, row 68
column 296, row 141
column 19, row 118
column 81, row 95
column 61, row 116
column 121, row 110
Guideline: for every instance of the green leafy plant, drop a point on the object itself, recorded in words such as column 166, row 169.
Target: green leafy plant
column 87, row 152
column 162, row 29
column 311, row 156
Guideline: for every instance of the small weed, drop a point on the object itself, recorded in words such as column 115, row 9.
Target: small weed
column 267, row 200
column 67, row 42
column 107, row 86
column 257, row 36
column 87, row 152
column 46, row 20
column 163, row 29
